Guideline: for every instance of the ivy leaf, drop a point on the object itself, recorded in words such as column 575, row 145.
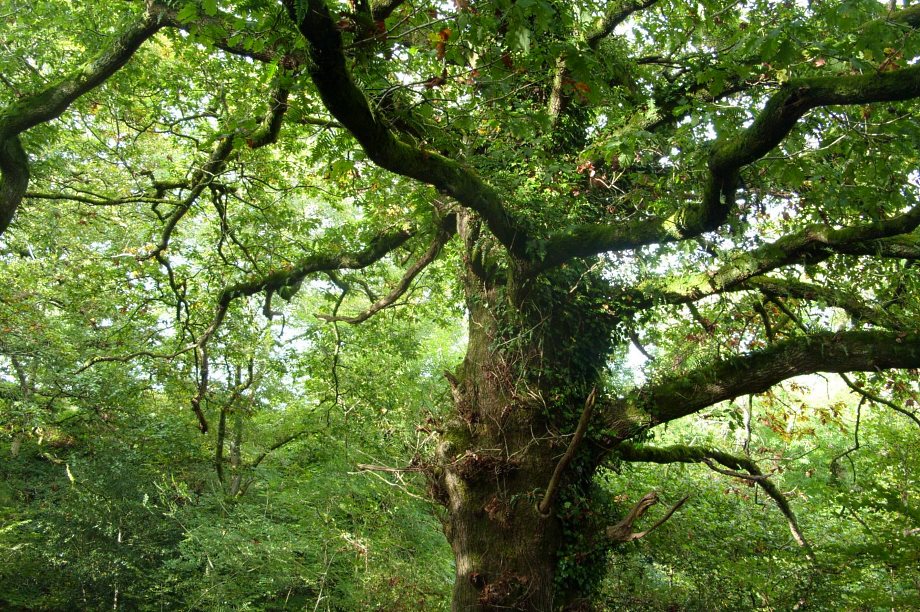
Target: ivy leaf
column 188, row 13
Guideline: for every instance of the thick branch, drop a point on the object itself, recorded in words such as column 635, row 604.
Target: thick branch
column 728, row 155
column 614, row 17
column 349, row 106
column 271, row 126
column 699, row 454
column 797, row 97
column 685, row 394
column 49, row 103
column 778, row 118
column 384, row 8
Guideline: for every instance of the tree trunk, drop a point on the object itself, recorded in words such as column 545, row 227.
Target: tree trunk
column 517, row 396
column 494, row 471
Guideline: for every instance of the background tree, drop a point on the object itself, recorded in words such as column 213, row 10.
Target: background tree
column 713, row 183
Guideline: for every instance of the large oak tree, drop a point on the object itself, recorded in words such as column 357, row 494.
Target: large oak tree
column 718, row 177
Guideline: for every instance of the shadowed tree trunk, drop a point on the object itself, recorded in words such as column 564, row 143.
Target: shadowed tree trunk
column 534, row 353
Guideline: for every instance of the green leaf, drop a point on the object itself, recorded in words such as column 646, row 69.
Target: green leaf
column 188, row 13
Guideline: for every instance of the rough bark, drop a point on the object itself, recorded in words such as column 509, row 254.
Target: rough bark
column 492, row 464
column 519, row 396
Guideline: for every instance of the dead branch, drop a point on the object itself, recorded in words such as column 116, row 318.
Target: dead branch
column 622, row 531
column 580, row 429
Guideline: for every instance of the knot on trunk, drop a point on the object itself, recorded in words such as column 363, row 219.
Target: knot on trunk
column 479, row 466
column 508, row 592
column 498, row 511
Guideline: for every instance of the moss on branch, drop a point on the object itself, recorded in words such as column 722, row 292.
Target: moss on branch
column 50, row 102
column 686, row 393
column 349, row 105
column 681, row 453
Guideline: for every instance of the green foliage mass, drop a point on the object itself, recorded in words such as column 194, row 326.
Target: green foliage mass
column 248, row 248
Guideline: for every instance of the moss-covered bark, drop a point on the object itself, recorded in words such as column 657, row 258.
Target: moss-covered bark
column 687, row 393
column 533, row 355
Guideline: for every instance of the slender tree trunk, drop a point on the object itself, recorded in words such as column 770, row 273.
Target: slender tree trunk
column 236, row 450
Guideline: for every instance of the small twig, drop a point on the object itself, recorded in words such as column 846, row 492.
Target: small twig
column 856, row 444
column 443, row 235
column 365, row 467
column 734, row 474
column 707, row 325
column 634, row 337
column 129, row 357
column 767, row 327
column 879, row 400
column 282, row 442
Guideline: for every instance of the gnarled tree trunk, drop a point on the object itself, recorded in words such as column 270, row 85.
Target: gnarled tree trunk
column 518, row 395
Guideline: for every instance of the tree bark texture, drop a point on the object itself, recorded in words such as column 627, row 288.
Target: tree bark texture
column 518, row 396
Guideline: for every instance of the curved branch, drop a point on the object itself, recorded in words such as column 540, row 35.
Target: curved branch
column 614, row 17
column 230, row 25
column 787, row 106
column 622, row 531
column 447, row 229
column 290, row 277
column 684, row 394
column 203, row 177
column 52, row 101
column 266, row 134
column 348, row 105
column 382, row 9
column 95, row 201
column 276, row 445
column 699, row 454
column 379, row 247
column 130, row 357
column 729, row 154
column 580, row 429
column 14, row 178
column 879, row 400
